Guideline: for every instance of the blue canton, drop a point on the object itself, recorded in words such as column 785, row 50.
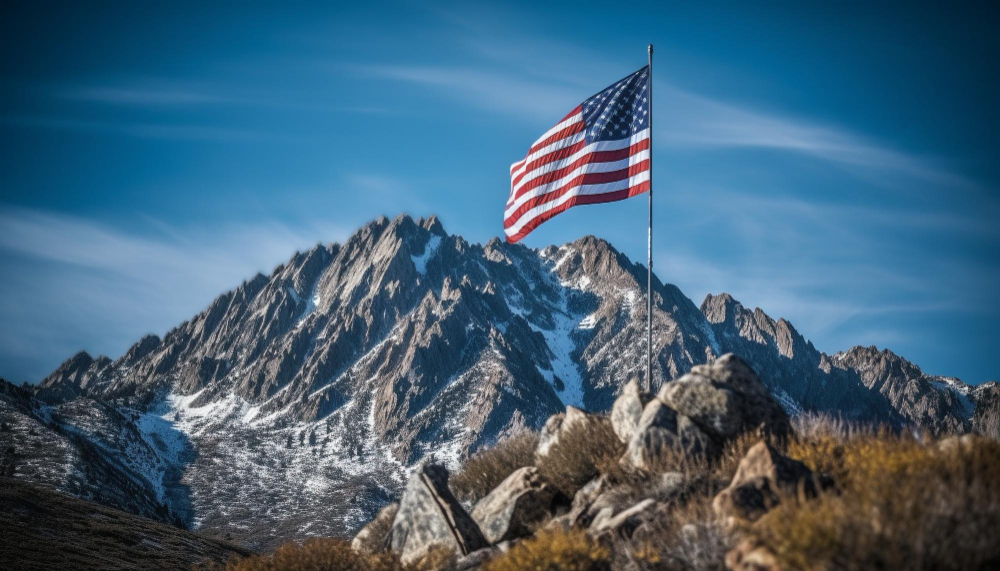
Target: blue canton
column 619, row 111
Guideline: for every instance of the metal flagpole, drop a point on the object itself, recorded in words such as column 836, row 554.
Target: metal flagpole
column 649, row 239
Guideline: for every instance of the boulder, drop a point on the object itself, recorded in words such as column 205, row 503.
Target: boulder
column 662, row 431
column 476, row 559
column 371, row 538
column 429, row 516
column 624, row 523
column 725, row 399
column 627, row 410
column 763, row 478
column 558, row 424
column 515, row 507
column 579, row 514
column 751, row 555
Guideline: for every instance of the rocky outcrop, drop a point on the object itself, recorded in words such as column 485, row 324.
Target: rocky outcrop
column 429, row 516
column 372, row 537
column 662, row 432
column 726, row 399
column 764, row 477
column 695, row 415
column 624, row 523
column 560, row 425
column 515, row 507
column 627, row 410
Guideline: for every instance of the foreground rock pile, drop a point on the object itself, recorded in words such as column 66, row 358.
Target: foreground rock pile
column 691, row 419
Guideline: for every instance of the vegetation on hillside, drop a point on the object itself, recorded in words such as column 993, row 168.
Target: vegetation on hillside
column 900, row 500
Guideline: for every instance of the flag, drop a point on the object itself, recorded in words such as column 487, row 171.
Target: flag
column 597, row 153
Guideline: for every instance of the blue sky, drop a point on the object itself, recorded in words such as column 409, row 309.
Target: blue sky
column 833, row 164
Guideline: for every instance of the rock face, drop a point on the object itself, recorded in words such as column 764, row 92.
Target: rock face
column 726, row 399
column 623, row 523
column 559, row 425
column 314, row 388
column 662, row 430
column 429, row 516
column 515, row 507
column 372, row 537
column 627, row 410
column 698, row 413
column 762, row 478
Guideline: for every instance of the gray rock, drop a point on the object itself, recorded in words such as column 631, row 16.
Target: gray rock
column 476, row 559
column 662, row 431
column 623, row 523
column 764, row 477
column 372, row 537
column 430, row 516
column 726, row 399
column 627, row 410
column 515, row 507
column 559, row 424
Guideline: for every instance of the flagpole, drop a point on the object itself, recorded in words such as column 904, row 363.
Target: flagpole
column 649, row 239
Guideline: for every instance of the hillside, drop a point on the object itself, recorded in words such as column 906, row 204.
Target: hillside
column 45, row 529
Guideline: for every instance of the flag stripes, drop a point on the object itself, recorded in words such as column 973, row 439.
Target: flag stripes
column 599, row 152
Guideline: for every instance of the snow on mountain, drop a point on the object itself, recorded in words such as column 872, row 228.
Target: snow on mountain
column 295, row 404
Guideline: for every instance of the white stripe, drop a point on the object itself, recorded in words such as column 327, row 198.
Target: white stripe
column 586, row 189
column 555, row 185
column 559, row 127
column 591, row 148
column 560, row 144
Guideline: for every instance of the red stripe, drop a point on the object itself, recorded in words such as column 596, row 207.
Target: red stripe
column 595, row 157
column 587, row 178
column 558, row 136
column 579, row 200
column 546, row 159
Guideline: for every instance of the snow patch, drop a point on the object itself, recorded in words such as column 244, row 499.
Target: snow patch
column 589, row 322
column 420, row 262
column 961, row 391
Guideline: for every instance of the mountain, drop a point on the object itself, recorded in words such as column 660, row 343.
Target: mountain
column 294, row 404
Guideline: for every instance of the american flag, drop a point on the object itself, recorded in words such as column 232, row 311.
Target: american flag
column 597, row 153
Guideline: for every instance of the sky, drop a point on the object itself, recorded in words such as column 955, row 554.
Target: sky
column 835, row 164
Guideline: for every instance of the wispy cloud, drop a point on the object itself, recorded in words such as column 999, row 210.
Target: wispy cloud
column 165, row 131
column 488, row 90
column 69, row 278
column 838, row 272
column 702, row 122
column 508, row 77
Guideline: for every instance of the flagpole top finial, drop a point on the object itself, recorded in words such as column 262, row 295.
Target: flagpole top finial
column 650, row 48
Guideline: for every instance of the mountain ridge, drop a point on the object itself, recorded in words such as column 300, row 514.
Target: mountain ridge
column 324, row 381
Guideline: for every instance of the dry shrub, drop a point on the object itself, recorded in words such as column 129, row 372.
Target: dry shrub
column 901, row 504
column 486, row 469
column 316, row 555
column 584, row 450
column 817, row 425
column 438, row 558
column 690, row 538
column 554, row 551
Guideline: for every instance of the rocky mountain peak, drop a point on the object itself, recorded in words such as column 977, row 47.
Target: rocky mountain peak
column 721, row 308
column 352, row 362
